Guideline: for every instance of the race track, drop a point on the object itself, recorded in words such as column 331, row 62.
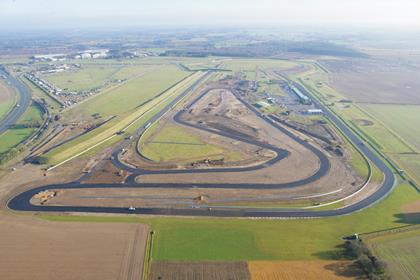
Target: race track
column 21, row 202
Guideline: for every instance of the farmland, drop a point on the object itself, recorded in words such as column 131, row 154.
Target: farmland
column 193, row 239
column 374, row 81
column 400, row 251
column 402, row 119
column 310, row 270
column 70, row 251
column 255, row 270
column 199, row 271
column 390, row 125
column 199, row 141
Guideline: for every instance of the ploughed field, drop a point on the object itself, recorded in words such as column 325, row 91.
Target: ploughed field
column 35, row 249
column 255, row 270
column 400, row 251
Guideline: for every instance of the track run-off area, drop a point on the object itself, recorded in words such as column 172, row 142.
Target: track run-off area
column 22, row 202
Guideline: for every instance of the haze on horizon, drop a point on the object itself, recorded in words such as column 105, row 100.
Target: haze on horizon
column 26, row 14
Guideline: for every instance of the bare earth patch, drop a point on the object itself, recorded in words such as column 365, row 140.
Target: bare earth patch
column 199, row 271
column 35, row 249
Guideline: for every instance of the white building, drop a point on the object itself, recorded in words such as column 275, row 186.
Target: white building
column 314, row 112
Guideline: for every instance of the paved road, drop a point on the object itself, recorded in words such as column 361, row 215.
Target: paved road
column 21, row 202
column 21, row 106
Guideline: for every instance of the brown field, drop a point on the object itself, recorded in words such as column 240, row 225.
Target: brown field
column 400, row 250
column 106, row 172
column 376, row 81
column 35, row 249
column 308, row 270
column 199, row 271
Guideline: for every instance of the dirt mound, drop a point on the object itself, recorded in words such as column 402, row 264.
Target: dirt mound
column 363, row 122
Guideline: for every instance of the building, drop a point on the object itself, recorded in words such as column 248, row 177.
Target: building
column 86, row 55
column 314, row 112
column 302, row 97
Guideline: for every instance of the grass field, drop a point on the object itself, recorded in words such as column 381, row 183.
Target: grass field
column 82, row 79
column 14, row 136
column 109, row 130
column 237, row 65
column 174, row 143
column 180, row 239
column 411, row 163
column 127, row 97
column 375, row 131
column 95, row 76
column 401, row 252
column 403, row 119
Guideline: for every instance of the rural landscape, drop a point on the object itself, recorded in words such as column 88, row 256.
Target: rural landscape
column 208, row 153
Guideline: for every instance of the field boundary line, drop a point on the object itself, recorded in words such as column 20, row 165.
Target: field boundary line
column 148, row 256
column 389, row 231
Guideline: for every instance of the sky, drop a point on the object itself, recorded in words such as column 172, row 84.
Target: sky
column 15, row 14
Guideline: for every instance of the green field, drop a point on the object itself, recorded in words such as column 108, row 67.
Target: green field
column 411, row 163
column 378, row 133
column 6, row 106
column 82, row 79
column 404, row 120
column 14, row 136
column 128, row 96
column 401, row 252
column 96, row 76
column 235, row 239
column 237, row 65
column 175, row 143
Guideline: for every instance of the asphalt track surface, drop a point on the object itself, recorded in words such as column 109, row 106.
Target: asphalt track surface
column 21, row 202
column 23, row 103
